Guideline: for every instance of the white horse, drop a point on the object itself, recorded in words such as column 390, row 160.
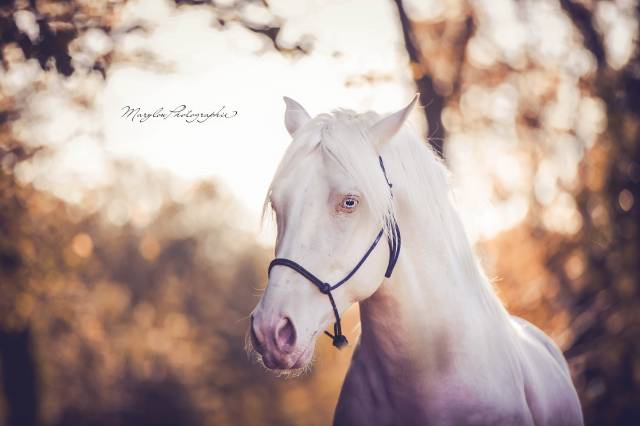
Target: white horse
column 437, row 346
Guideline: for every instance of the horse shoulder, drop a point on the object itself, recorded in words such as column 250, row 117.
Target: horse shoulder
column 544, row 340
column 549, row 390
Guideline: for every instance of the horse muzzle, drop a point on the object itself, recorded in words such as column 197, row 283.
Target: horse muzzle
column 276, row 342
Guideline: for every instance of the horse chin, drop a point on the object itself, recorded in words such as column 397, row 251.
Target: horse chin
column 299, row 367
column 305, row 359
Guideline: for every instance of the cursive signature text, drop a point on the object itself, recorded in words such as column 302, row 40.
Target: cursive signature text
column 136, row 114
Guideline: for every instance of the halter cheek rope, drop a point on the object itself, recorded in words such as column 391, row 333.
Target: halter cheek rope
column 339, row 340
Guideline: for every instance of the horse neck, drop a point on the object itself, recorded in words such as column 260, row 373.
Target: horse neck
column 436, row 304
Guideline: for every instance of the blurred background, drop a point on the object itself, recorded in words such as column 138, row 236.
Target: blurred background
column 131, row 253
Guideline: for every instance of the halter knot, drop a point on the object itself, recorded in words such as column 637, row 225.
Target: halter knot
column 325, row 288
column 339, row 341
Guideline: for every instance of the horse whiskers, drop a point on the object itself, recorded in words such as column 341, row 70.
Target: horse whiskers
column 248, row 346
column 293, row 373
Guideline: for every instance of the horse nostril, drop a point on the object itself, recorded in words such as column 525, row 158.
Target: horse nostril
column 285, row 335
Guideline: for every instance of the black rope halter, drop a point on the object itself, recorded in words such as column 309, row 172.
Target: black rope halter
column 339, row 340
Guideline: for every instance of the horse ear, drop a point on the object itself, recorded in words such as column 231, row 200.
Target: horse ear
column 295, row 116
column 381, row 132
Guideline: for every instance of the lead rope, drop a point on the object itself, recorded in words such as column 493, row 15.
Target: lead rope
column 339, row 339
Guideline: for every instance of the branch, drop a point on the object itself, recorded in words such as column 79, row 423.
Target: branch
column 407, row 32
column 433, row 102
column 581, row 17
column 271, row 32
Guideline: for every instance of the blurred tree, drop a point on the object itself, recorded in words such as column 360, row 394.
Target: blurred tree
column 437, row 81
column 17, row 358
column 606, row 295
column 587, row 279
column 115, row 308
column 19, row 377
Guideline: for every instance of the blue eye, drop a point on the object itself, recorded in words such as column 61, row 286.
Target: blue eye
column 349, row 203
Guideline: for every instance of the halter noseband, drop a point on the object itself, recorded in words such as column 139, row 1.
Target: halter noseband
column 339, row 340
